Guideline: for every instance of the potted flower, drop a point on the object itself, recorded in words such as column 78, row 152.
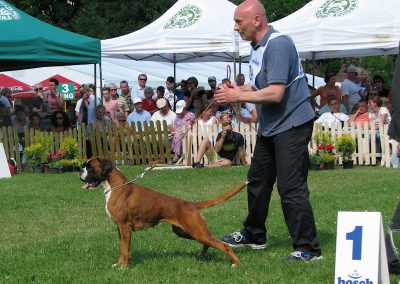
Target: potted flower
column 55, row 167
column 314, row 161
column 70, row 146
column 345, row 146
column 329, row 160
column 67, row 165
column 36, row 156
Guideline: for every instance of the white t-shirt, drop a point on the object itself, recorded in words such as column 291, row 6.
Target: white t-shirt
column 170, row 118
column 169, row 95
column 351, row 90
column 137, row 91
column 333, row 119
column 377, row 118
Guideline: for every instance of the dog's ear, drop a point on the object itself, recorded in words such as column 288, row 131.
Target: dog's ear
column 106, row 166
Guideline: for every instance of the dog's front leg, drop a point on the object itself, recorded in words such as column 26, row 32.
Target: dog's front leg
column 125, row 232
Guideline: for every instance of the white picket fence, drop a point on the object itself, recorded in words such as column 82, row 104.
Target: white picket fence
column 373, row 145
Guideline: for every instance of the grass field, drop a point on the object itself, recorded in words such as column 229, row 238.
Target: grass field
column 52, row 231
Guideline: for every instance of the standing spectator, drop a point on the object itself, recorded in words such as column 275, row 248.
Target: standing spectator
column 212, row 82
column 279, row 89
column 139, row 114
column 148, row 102
column 327, row 91
column 5, row 119
column 378, row 86
column 85, row 106
column 170, row 91
column 138, row 91
column 351, row 89
column 184, row 117
column 122, row 105
column 164, row 113
column 126, row 94
column 367, row 87
column 46, row 118
column 110, row 105
column 56, row 100
column 60, row 121
column 39, row 98
column 240, row 79
column 4, row 94
column 20, row 120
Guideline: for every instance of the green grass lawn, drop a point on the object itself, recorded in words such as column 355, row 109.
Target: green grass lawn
column 52, row 231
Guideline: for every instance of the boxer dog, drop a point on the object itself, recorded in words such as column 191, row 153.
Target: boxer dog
column 133, row 207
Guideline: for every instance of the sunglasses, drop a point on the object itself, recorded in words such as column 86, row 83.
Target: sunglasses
column 59, row 118
column 142, row 79
column 38, row 89
column 113, row 89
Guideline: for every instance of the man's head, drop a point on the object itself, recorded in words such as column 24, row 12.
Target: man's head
column 160, row 91
column 228, row 130
column 163, row 106
column 121, row 117
column 113, row 90
column 105, row 92
column 212, row 82
column 192, row 83
column 53, row 83
column 84, row 90
column 124, row 86
column 142, row 79
column 251, row 21
column 137, row 103
column 170, row 83
column 362, row 106
column 240, row 79
column 333, row 103
column 5, row 92
column 352, row 73
column 38, row 88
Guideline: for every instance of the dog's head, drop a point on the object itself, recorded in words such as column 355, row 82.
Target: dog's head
column 96, row 170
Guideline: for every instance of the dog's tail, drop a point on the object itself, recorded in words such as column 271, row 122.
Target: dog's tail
column 220, row 198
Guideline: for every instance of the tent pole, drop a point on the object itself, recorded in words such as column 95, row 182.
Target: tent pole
column 313, row 69
column 173, row 107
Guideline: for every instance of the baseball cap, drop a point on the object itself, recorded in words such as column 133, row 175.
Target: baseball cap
column 137, row 100
column 180, row 105
column 212, row 78
column 352, row 69
column 161, row 103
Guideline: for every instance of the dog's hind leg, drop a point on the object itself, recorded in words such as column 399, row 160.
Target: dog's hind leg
column 181, row 232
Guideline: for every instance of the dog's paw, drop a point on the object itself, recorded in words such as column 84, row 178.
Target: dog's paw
column 233, row 265
column 202, row 256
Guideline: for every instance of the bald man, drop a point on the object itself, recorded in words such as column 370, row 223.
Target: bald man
column 279, row 90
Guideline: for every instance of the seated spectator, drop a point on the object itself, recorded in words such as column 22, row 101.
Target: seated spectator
column 164, row 113
column 20, row 120
column 46, row 118
column 148, row 102
column 207, row 118
column 227, row 145
column 335, row 118
column 240, row 79
column 361, row 114
column 111, row 105
column 60, row 121
column 121, row 117
column 377, row 112
column 5, row 119
column 101, row 117
column 138, row 114
column 197, row 107
column 35, row 121
column 5, row 93
column 184, row 117
column 387, row 103
column 170, row 91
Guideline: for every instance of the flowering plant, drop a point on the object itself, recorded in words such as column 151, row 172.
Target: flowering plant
column 55, row 157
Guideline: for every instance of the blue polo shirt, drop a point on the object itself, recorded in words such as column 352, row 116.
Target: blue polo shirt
column 280, row 64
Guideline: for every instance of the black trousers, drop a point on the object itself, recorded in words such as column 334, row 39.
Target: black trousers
column 392, row 258
column 283, row 157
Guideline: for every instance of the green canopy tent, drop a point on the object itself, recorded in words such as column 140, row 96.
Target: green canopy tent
column 26, row 42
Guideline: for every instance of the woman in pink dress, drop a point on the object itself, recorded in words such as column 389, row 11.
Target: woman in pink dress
column 184, row 117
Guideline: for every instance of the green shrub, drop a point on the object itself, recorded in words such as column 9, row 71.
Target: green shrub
column 345, row 147
column 70, row 145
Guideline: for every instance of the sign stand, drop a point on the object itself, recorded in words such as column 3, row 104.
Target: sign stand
column 360, row 249
column 4, row 169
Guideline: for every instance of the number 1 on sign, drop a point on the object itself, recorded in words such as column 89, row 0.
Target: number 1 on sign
column 356, row 237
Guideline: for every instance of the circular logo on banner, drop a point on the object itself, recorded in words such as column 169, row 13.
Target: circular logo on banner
column 336, row 8
column 184, row 18
column 7, row 13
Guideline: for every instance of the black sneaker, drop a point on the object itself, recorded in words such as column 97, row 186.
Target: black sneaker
column 303, row 256
column 197, row 165
column 394, row 267
column 237, row 240
column 394, row 227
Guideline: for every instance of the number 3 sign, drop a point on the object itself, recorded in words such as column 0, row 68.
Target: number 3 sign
column 67, row 90
column 360, row 249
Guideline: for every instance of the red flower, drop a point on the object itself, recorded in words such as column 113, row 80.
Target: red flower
column 320, row 147
column 329, row 147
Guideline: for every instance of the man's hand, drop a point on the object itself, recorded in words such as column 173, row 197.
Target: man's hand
column 228, row 93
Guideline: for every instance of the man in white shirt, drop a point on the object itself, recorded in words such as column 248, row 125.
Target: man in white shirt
column 170, row 91
column 164, row 113
column 335, row 118
column 350, row 89
column 138, row 91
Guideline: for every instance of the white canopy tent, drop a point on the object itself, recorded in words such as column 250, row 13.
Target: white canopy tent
column 344, row 28
column 190, row 31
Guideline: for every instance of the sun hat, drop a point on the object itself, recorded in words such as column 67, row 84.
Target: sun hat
column 180, row 105
column 137, row 100
column 161, row 103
